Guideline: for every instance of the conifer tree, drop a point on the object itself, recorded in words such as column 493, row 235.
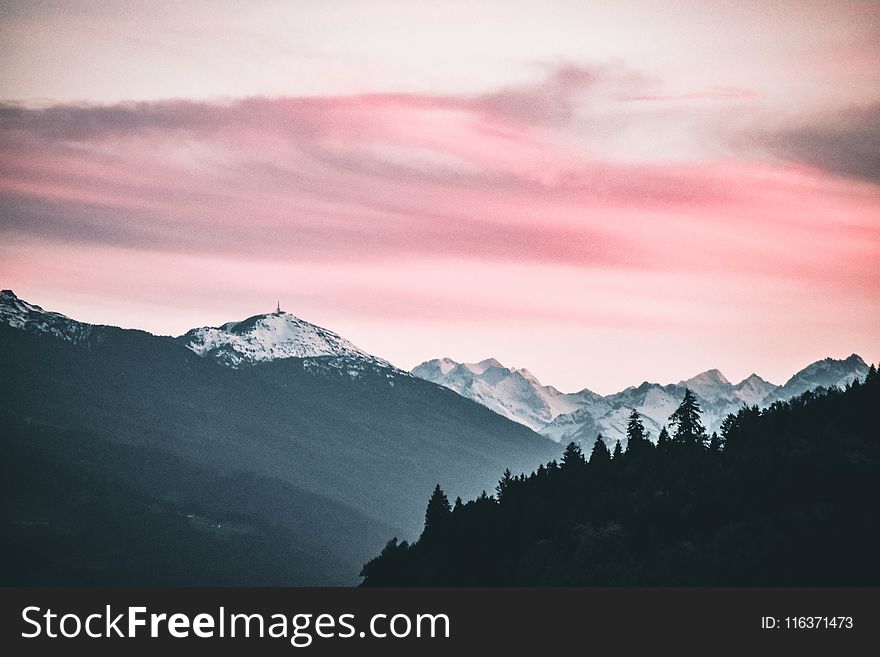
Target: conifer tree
column 615, row 521
column 636, row 436
column 618, row 451
column 504, row 484
column 663, row 440
column 600, row 454
column 689, row 430
column 573, row 456
column 438, row 512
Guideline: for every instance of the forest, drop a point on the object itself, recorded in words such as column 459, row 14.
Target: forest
column 782, row 496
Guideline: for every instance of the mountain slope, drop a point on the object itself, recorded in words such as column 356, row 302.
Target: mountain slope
column 81, row 510
column 515, row 394
column 789, row 500
column 827, row 373
column 364, row 448
column 19, row 314
column 753, row 390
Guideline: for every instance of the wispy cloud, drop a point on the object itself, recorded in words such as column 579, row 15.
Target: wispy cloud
column 844, row 142
column 501, row 175
column 395, row 204
column 723, row 93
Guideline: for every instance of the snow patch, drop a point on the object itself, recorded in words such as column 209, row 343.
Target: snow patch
column 271, row 337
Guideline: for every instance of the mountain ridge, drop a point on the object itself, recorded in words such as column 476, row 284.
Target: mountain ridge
column 515, row 394
column 523, row 398
column 316, row 435
column 590, row 413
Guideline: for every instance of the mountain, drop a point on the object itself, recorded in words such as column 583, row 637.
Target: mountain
column 827, row 373
column 789, row 500
column 271, row 337
column 753, row 390
column 707, row 385
column 24, row 316
column 131, row 458
column 515, row 394
column 581, row 416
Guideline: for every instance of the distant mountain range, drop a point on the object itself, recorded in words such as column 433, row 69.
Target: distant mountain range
column 581, row 416
column 267, row 451
column 515, row 394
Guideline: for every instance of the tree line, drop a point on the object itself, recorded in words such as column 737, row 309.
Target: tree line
column 780, row 496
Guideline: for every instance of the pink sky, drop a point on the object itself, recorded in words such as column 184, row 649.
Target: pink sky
column 603, row 194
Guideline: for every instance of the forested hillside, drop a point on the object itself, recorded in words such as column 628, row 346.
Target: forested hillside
column 783, row 496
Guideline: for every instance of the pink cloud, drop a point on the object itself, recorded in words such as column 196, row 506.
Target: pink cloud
column 516, row 208
column 720, row 93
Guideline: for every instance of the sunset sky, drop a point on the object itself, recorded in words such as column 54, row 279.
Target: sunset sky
column 602, row 192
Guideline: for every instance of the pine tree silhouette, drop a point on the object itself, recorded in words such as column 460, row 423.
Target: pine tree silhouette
column 799, row 473
column 636, row 436
column 573, row 457
column 689, row 430
column 504, row 484
column 663, row 440
column 438, row 512
column 600, row 454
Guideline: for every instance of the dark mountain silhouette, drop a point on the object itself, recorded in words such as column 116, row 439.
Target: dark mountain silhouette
column 130, row 459
column 783, row 496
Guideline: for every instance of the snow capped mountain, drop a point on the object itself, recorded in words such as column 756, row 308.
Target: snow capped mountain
column 515, row 394
column 716, row 395
column 256, row 339
column 825, row 373
column 20, row 314
column 711, row 383
column 753, row 390
column 333, row 449
column 271, row 337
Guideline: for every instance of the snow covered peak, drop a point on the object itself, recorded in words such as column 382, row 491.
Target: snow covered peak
column 483, row 365
column 435, row 368
column 706, row 381
column 518, row 395
column 271, row 337
column 446, row 365
column 19, row 314
column 523, row 372
column 15, row 311
column 825, row 373
column 515, row 394
column 753, row 390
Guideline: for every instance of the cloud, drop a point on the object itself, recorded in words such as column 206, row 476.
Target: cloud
column 544, row 102
column 721, row 93
column 370, row 175
column 845, row 142
column 517, row 175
